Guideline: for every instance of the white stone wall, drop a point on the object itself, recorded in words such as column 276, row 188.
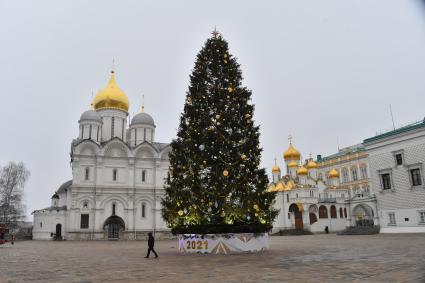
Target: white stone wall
column 404, row 200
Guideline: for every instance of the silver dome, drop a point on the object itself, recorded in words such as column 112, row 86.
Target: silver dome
column 142, row 118
column 90, row 115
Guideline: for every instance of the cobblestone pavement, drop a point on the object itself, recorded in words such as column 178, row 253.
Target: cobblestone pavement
column 318, row 258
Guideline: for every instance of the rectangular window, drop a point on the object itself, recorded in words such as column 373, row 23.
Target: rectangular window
column 354, row 173
column 143, row 210
column 97, row 134
column 391, row 218
column 112, row 127
column 399, row 159
column 87, row 173
column 114, row 175
column 386, row 181
column 122, row 132
column 143, row 175
column 84, row 221
column 90, row 132
column 344, row 175
column 422, row 217
column 415, row 176
column 363, row 172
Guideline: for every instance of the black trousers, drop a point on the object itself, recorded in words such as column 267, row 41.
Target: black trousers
column 149, row 252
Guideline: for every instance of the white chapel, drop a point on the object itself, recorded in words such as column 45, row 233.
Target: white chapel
column 118, row 172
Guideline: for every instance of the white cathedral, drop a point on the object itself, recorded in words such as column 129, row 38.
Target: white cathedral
column 118, row 174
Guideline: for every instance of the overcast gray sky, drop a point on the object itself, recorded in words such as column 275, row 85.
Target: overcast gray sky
column 320, row 71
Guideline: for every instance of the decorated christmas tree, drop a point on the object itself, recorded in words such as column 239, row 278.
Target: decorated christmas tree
column 215, row 184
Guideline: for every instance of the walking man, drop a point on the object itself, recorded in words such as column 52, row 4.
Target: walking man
column 151, row 243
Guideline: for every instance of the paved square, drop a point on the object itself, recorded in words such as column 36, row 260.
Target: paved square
column 318, row 258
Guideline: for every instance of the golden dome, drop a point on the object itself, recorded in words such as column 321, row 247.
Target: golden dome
column 312, row 165
column 291, row 153
column 289, row 185
column 111, row 97
column 271, row 188
column 302, row 171
column 333, row 173
column 275, row 169
column 293, row 164
column 280, row 187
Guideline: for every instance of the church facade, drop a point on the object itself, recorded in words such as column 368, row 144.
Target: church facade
column 313, row 195
column 118, row 172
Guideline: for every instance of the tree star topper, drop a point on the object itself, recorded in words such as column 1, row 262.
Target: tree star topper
column 215, row 33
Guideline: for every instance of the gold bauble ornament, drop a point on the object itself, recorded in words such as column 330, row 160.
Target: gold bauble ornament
column 217, row 116
column 225, row 55
column 247, row 115
column 243, row 156
column 263, row 221
column 230, row 89
column 180, row 212
column 218, row 123
column 256, row 207
column 225, row 61
column 225, row 173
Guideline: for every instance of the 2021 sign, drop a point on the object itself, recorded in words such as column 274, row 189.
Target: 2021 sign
column 197, row 245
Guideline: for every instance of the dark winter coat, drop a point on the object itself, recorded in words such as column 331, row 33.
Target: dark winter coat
column 151, row 241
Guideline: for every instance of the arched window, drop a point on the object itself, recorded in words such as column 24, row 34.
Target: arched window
column 143, row 210
column 113, row 209
column 340, row 213
column 114, row 174
column 345, row 212
column 143, row 176
column 323, row 212
column 87, row 173
column 41, row 224
column 333, row 211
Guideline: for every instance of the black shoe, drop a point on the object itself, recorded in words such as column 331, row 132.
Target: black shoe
column 156, row 257
column 146, row 257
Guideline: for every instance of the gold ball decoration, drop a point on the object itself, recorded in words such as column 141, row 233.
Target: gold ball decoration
column 217, row 116
column 218, row 123
column 180, row 212
column 263, row 221
column 230, row 89
column 225, row 61
column 256, row 207
column 243, row 156
column 247, row 115
column 225, row 55
column 225, row 173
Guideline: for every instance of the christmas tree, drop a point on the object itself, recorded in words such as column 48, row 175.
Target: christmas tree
column 215, row 184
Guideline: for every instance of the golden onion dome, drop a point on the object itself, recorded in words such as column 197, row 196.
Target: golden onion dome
column 292, row 164
column 311, row 164
column 302, row 171
column 333, row 173
column 275, row 169
column 271, row 188
column 289, row 185
column 111, row 97
column 280, row 187
column 291, row 153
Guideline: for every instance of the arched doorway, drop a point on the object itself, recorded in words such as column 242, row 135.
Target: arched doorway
column 58, row 234
column 363, row 215
column 313, row 213
column 113, row 226
column 298, row 215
